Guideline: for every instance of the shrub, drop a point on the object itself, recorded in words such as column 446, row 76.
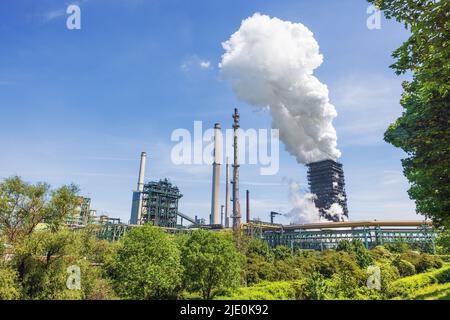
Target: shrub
column 405, row 268
column 422, row 261
column 9, row 287
column 381, row 253
column 407, row 287
column 147, row 265
column 433, row 292
column 281, row 290
column 397, row 246
column 282, row 252
column 257, row 269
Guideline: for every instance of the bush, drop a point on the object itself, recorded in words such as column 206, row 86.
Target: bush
column 422, row 261
column 405, row 268
column 147, row 265
column 398, row 246
column 381, row 253
column 9, row 287
column 406, row 287
column 282, row 252
column 433, row 292
column 281, row 290
column 257, row 269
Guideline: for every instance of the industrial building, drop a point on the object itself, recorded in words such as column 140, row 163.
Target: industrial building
column 326, row 181
column 156, row 202
column 160, row 203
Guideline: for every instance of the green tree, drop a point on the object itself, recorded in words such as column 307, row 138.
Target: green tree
column 23, row 206
column 147, row 265
column 9, row 285
column 423, row 131
column 443, row 242
column 211, row 262
column 405, row 268
column 258, row 247
column 315, row 287
column 357, row 248
column 282, row 252
column 42, row 260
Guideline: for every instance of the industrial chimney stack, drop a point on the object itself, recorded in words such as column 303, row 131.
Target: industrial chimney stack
column 140, row 185
column 136, row 205
column 236, row 204
column 215, row 206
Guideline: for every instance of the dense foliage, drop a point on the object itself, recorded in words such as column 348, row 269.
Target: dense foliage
column 211, row 262
column 38, row 255
column 423, row 131
column 147, row 265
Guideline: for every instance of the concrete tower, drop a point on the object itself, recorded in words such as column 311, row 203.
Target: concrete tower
column 215, row 198
column 136, row 206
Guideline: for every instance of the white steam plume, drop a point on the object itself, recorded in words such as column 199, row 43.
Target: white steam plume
column 304, row 210
column 336, row 212
column 270, row 62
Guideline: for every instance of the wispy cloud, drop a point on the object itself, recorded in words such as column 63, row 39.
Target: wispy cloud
column 205, row 64
column 53, row 14
column 366, row 105
column 195, row 62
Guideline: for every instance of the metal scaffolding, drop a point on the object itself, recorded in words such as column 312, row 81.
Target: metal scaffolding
column 160, row 203
column 326, row 181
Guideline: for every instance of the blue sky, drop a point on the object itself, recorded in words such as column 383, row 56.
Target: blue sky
column 80, row 105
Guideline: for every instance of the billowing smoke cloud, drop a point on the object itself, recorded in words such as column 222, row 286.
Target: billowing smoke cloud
column 270, row 62
column 336, row 212
column 304, row 210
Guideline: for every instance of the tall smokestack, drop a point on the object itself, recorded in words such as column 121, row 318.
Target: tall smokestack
column 227, row 196
column 248, row 206
column 236, row 205
column 215, row 209
column 136, row 206
column 140, row 185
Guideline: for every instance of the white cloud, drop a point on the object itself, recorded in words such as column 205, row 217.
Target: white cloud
column 53, row 14
column 205, row 64
column 367, row 104
column 195, row 62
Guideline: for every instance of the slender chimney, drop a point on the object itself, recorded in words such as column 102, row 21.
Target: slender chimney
column 236, row 205
column 215, row 207
column 136, row 206
column 140, row 185
column 227, row 196
column 248, row 206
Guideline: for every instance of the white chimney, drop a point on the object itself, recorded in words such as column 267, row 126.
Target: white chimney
column 215, row 210
column 140, row 185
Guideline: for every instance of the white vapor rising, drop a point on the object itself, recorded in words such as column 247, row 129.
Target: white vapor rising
column 304, row 211
column 336, row 212
column 270, row 62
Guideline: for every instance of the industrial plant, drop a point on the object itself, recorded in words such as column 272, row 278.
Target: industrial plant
column 157, row 203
